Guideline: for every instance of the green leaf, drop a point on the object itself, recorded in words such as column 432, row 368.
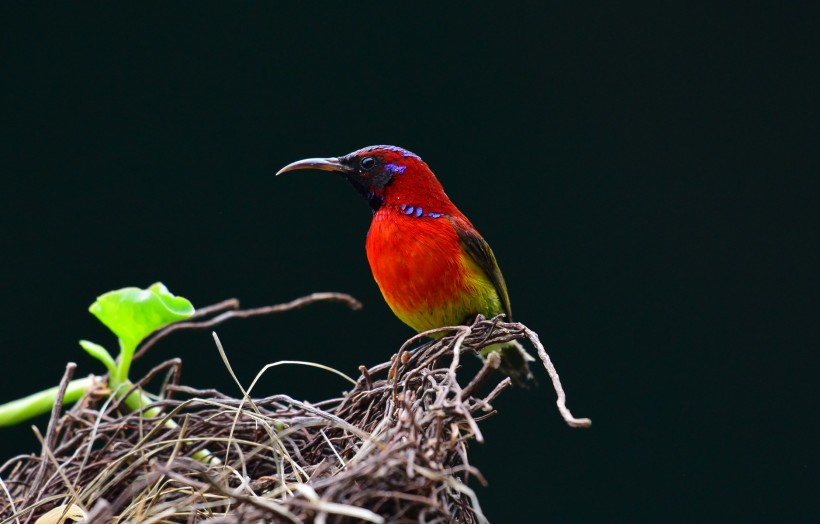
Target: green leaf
column 100, row 353
column 133, row 313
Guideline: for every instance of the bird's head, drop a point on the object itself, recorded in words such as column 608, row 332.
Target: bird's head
column 380, row 173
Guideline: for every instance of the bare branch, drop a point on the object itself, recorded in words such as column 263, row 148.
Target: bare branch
column 232, row 306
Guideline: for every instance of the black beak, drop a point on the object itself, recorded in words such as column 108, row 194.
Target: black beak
column 324, row 164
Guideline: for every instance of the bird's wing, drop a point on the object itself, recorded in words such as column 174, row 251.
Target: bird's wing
column 479, row 250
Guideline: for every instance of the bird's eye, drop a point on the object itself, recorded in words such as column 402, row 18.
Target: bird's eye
column 368, row 162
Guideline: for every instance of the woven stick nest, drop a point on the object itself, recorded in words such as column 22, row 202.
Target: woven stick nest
column 392, row 449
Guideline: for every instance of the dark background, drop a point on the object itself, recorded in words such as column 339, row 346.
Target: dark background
column 644, row 174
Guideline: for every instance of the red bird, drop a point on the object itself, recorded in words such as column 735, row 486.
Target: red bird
column 431, row 264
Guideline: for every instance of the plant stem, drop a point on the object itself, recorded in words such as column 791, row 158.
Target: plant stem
column 41, row 402
column 123, row 364
column 137, row 400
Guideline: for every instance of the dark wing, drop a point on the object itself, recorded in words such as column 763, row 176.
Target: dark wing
column 479, row 250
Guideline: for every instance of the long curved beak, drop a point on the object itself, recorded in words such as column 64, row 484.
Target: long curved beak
column 324, row 164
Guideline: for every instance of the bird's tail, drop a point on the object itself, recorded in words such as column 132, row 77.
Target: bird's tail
column 514, row 362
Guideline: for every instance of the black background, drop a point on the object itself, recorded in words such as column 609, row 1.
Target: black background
column 645, row 175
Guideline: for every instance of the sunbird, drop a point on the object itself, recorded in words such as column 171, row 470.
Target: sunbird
column 432, row 266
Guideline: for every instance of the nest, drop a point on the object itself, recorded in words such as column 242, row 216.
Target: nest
column 392, row 449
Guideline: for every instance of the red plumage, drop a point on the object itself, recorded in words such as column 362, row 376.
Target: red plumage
column 417, row 263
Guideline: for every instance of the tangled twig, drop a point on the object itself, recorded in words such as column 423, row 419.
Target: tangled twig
column 394, row 448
